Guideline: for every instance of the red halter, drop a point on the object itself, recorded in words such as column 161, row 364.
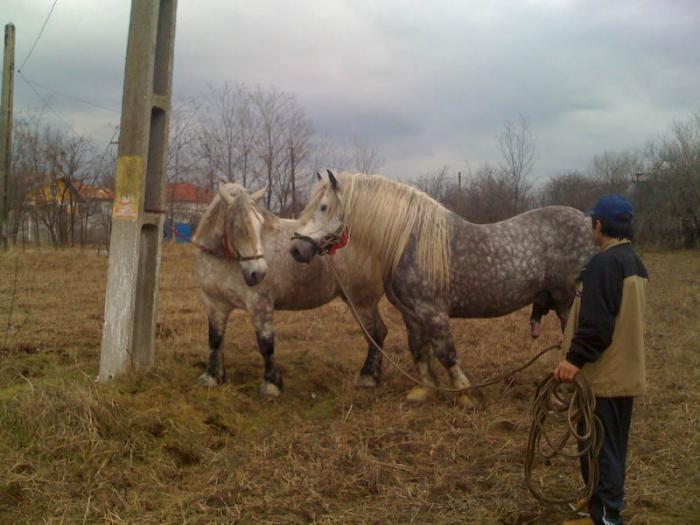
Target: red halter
column 342, row 242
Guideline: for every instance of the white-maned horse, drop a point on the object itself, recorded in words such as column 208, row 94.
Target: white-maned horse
column 436, row 265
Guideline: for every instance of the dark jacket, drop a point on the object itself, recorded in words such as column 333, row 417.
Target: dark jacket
column 605, row 332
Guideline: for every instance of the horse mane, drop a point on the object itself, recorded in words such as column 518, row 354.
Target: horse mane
column 381, row 214
column 211, row 225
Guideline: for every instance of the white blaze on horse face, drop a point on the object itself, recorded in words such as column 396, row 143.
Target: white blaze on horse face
column 255, row 270
column 326, row 218
column 246, row 238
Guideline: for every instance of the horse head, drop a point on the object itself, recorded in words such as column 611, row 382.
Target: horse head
column 322, row 222
column 242, row 230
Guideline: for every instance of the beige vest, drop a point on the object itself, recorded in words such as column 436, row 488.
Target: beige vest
column 620, row 370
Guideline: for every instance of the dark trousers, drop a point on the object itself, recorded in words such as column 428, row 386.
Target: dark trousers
column 606, row 504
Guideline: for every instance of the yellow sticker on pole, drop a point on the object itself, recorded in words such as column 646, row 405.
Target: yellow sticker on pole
column 128, row 187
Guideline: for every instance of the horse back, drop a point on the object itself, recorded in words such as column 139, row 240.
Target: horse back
column 498, row 268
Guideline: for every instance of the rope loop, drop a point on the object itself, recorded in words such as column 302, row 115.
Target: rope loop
column 573, row 403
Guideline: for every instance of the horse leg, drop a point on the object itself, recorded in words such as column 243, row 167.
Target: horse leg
column 272, row 380
column 418, row 343
column 563, row 299
column 540, row 307
column 371, row 370
column 444, row 348
column 215, row 373
column 419, row 346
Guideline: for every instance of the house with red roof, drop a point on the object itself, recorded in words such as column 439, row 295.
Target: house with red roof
column 185, row 202
column 65, row 211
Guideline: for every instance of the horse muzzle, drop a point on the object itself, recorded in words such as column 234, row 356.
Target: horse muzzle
column 303, row 251
column 304, row 247
column 254, row 272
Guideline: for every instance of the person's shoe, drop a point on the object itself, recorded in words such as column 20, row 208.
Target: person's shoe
column 579, row 521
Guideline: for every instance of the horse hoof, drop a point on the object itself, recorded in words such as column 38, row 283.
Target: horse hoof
column 269, row 390
column 535, row 329
column 367, row 381
column 468, row 401
column 418, row 394
column 473, row 399
column 207, row 380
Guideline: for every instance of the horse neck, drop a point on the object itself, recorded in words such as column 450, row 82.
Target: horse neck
column 387, row 236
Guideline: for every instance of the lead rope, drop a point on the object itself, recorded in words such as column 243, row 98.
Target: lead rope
column 579, row 408
column 574, row 403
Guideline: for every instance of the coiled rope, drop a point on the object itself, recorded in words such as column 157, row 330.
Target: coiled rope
column 573, row 403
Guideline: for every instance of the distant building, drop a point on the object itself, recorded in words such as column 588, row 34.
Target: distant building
column 64, row 211
column 186, row 202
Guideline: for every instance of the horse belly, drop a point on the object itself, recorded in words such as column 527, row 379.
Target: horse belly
column 304, row 294
column 493, row 301
column 303, row 302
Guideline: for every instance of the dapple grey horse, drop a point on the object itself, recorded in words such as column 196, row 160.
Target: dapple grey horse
column 437, row 265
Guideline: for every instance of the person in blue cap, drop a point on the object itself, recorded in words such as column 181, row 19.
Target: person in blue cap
column 604, row 341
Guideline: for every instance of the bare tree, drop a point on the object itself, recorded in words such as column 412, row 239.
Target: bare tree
column 259, row 135
column 436, row 184
column 29, row 166
column 67, row 158
column 220, row 134
column 364, row 158
column 96, row 215
column 52, row 168
column 272, row 107
column 487, row 196
column 572, row 188
column 183, row 150
column 668, row 193
column 298, row 133
column 517, row 146
column 615, row 171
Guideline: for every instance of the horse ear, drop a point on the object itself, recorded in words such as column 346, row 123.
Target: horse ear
column 223, row 191
column 318, row 176
column 259, row 194
column 334, row 181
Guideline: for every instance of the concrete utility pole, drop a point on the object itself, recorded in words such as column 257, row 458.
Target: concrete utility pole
column 137, row 219
column 8, row 78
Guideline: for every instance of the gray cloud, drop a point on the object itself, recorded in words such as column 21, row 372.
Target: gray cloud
column 426, row 83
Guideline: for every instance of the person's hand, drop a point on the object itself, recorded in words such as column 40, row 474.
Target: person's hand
column 565, row 372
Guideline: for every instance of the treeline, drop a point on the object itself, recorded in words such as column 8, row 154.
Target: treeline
column 48, row 166
column 232, row 133
column 662, row 179
column 258, row 136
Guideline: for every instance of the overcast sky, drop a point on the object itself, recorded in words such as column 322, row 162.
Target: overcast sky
column 427, row 83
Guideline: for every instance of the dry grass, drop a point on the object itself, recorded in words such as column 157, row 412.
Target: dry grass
column 158, row 449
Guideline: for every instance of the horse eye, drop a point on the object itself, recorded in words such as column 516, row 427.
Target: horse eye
column 324, row 207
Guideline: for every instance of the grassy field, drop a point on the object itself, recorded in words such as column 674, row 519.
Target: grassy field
column 159, row 449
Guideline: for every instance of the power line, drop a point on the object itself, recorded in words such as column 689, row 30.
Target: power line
column 32, row 84
column 72, row 97
column 41, row 32
column 46, row 102
column 110, row 142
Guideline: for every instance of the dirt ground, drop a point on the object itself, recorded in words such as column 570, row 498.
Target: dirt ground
column 158, row 449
